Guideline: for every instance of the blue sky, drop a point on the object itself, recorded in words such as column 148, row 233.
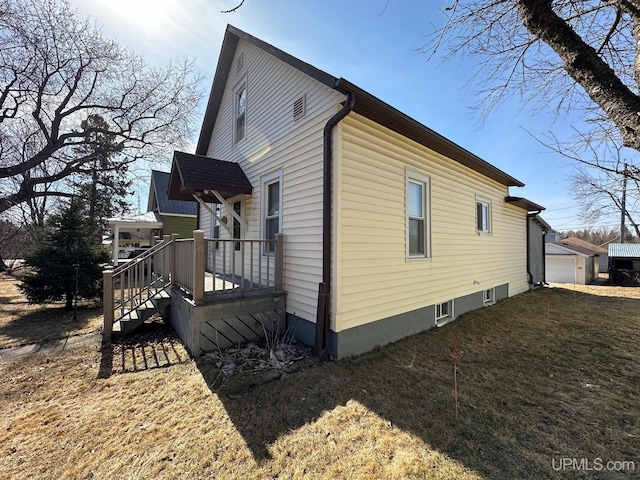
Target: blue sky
column 374, row 44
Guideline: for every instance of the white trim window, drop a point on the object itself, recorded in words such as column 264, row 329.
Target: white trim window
column 240, row 113
column 444, row 310
column 271, row 210
column 417, row 216
column 483, row 215
column 489, row 296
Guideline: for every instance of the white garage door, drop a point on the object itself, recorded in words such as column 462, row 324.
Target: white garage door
column 560, row 269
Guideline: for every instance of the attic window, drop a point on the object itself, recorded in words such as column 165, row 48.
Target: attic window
column 299, row 107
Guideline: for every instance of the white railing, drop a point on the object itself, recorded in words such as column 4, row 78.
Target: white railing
column 133, row 283
column 196, row 266
column 183, row 263
column 243, row 265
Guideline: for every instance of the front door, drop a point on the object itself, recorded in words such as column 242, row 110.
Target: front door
column 238, row 247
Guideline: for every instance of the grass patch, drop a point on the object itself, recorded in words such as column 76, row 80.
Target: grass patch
column 21, row 323
column 545, row 375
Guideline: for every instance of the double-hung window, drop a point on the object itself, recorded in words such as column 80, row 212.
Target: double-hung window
column 240, row 113
column 483, row 215
column 271, row 207
column 417, row 201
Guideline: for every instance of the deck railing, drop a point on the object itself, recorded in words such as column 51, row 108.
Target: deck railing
column 197, row 267
column 244, row 265
column 133, row 283
column 183, row 263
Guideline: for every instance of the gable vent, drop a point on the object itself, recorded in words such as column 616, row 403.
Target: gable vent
column 299, row 107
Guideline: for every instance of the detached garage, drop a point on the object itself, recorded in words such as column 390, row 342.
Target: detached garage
column 566, row 262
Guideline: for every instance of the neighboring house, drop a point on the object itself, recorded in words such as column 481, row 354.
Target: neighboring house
column 374, row 226
column 552, row 236
column 133, row 233
column 572, row 260
column 624, row 263
column 178, row 217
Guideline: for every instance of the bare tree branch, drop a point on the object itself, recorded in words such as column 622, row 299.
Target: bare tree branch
column 234, row 8
column 56, row 70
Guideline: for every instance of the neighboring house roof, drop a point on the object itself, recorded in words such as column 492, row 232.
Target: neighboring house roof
column 580, row 246
column 159, row 197
column 586, row 246
column 624, row 250
column 553, row 249
column 365, row 104
column 195, row 173
column 143, row 220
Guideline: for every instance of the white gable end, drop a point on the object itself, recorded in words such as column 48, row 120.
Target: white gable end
column 276, row 143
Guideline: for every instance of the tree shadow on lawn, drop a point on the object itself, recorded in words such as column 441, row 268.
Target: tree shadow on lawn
column 22, row 323
column 44, row 323
column 540, row 378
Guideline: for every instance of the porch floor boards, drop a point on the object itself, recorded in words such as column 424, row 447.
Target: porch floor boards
column 216, row 284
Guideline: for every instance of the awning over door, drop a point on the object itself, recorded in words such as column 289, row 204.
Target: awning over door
column 192, row 174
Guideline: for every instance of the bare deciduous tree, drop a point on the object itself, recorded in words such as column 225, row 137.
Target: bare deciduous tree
column 572, row 54
column 599, row 196
column 57, row 70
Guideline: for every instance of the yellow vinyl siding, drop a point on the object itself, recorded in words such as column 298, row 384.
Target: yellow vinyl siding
column 373, row 276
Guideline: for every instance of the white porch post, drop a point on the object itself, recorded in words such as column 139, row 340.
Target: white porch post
column 116, row 246
column 107, row 305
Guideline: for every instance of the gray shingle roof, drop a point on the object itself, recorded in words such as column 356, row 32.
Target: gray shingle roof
column 165, row 206
column 581, row 246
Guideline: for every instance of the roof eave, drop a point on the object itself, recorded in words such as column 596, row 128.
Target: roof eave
column 525, row 204
column 380, row 112
column 573, row 251
column 366, row 104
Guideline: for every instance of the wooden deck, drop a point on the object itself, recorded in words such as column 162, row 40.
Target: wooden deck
column 209, row 309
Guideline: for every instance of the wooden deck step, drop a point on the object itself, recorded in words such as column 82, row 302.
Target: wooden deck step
column 142, row 312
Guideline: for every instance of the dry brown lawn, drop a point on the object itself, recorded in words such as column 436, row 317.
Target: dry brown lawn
column 547, row 375
column 21, row 323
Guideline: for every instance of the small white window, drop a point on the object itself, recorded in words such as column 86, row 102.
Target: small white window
column 444, row 310
column 271, row 207
column 417, row 202
column 488, row 296
column 483, row 215
column 240, row 115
